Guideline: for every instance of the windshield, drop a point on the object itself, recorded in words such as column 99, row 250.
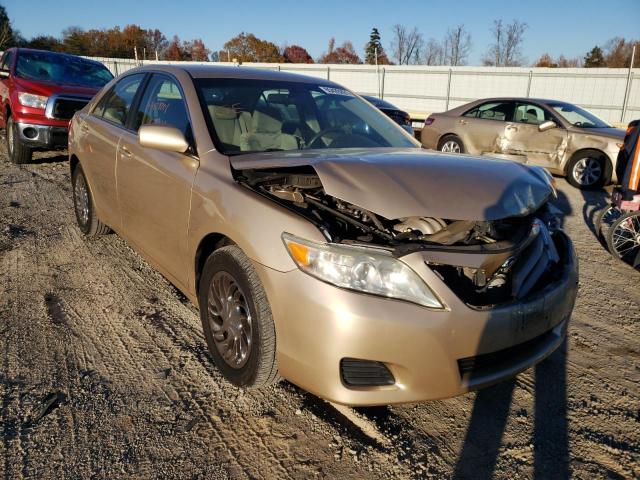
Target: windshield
column 52, row 67
column 578, row 117
column 268, row 115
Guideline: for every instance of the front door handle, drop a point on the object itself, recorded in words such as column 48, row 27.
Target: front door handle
column 463, row 122
column 512, row 127
column 125, row 151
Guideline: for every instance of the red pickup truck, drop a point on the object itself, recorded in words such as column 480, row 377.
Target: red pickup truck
column 39, row 93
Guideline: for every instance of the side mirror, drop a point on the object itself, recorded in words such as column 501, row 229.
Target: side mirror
column 548, row 125
column 162, row 137
column 4, row 73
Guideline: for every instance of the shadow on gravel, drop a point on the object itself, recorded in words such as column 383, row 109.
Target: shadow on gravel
column 594, row 201
column 60, row 157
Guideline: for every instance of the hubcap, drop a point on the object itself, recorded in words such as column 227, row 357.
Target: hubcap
column 587, row 171
column 81, row 199
column 450, row 146
column 626, row 237
column 230, row 320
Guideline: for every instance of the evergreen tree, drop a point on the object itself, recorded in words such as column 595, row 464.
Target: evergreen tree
column 595, row 58
column 371, row 47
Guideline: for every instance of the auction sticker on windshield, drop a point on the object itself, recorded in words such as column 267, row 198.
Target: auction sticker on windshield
column 337, row 91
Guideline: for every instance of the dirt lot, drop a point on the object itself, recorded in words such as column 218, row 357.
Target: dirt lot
column 104, row 373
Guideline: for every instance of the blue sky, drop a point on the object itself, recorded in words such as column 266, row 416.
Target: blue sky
column 562, row 26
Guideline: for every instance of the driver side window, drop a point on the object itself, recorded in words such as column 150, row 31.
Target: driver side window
column 163, row 104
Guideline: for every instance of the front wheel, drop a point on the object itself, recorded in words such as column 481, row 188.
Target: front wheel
column 237, row 320
column 623, row 238
column 18, row 152
column 605, row 219
column 451, row 144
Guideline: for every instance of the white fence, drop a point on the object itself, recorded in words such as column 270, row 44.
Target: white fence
column 611, row 93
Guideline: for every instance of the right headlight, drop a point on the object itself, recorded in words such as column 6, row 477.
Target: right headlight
column 361, row 269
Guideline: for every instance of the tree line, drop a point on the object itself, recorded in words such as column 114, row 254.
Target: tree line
column 408, row 46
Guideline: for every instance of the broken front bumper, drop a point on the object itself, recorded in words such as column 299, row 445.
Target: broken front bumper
column 430, row 354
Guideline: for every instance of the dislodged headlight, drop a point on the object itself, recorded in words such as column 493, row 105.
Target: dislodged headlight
column 33, row 101
column 362, row 269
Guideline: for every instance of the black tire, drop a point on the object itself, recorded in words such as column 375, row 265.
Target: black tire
column 88, row 221
column 18, row 152
column 451, row 140
column 258, row 368
column 623, row 238
column 588, row 160
column 604, row 220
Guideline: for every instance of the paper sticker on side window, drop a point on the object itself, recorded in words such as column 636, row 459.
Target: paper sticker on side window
column 336, row 91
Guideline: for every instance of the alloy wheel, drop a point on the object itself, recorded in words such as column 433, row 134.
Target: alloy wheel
column 587, row 171
column 81, row 199
column 230, row 319
column 450, row 146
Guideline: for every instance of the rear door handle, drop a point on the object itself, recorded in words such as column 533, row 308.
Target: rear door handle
column 463, row 122
column 512, row 127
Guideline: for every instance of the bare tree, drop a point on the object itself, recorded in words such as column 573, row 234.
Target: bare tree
column 406, row 45
column 457, row 45
column 505, row 51
column 433, row 53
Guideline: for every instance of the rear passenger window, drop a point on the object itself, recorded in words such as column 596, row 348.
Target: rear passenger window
column 116, row 104
column 492, row 111
column 163, row 104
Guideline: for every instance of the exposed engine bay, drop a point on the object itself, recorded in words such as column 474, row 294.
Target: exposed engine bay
column 502, row 259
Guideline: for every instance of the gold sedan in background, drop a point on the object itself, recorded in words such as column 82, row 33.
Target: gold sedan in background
column 560, row 136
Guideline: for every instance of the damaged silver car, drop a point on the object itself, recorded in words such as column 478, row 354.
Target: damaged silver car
column 319, row 241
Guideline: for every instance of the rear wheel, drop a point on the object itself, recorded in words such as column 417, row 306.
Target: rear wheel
column 451, row 144
column 237, row 320
column 88, row 221
column 587, row 171
column 18, row 152
column 623, row 238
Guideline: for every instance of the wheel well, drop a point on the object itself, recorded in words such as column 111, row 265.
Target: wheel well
column 207, row 246
column 608, row 165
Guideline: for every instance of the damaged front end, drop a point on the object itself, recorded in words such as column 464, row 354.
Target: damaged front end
column 484, row 262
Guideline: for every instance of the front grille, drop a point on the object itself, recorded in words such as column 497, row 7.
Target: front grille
column 65, row 107
column 365, row 373
column 480, row 365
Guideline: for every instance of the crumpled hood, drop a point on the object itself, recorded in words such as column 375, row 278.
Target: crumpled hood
column 396, row 183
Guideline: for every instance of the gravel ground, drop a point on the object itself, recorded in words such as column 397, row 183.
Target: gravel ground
column 104, row 373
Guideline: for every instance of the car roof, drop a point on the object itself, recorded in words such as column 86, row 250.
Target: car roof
column 37, row 50
column 240, row 72
column 516, row 99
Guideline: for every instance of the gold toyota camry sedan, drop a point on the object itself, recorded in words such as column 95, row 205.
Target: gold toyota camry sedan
column 560, row 136
column 319, row 241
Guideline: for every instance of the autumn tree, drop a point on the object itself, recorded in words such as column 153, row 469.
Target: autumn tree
column 246, row 47
column 545, row 60
column 345, row 53
column 373, row 51
column 296, row 54
column 197, row 50
column 175, row 51
column 618, row 52
column 595, row 58
column 505, row 51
